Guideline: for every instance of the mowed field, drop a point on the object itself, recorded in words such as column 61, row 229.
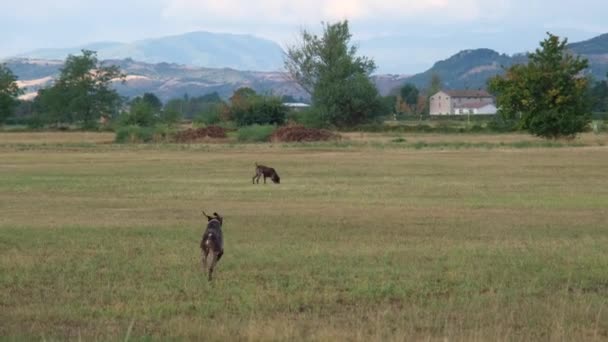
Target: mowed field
column 101, row 242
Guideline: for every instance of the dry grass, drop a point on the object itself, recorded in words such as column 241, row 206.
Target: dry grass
column 506, row 138
column 355, row 244
column 56, row 137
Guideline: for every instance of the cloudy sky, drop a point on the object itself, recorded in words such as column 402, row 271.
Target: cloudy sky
column 419, row 31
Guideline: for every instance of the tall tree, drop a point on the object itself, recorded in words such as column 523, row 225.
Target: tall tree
column 328, row 68
column 435, row 85
column 8, row 93
column 598, row 93
column 409, row 97
column 83, row 91
column 248, row 108
column 547, row 95
column 153, row 101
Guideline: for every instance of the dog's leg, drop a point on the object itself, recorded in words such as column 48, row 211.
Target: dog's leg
column 212, row 265
column 205, row 254
column 264, row 179
column 256, row 178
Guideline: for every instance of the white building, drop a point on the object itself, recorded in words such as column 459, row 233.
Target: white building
column 462, row 102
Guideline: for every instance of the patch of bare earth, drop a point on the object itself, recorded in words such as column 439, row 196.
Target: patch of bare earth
column 199, row 134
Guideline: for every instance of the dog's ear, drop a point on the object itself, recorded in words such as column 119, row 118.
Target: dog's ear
column 220, row 218
column 209, row 218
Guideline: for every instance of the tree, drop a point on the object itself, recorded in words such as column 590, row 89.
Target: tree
column 409, row 93
column 248, row 108
column 598, row 93
column 435, row 85
column 241, row 96
column 82, row 94
column 50, row 108
column 140, row 114
column 328, row 68
column 170, row 117
column 548, row 95
column 9, row 91
column 152, row 100
column 191, row 107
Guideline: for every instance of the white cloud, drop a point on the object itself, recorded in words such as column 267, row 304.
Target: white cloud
column 311, row 11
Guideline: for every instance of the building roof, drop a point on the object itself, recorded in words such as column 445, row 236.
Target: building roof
column 467, row 93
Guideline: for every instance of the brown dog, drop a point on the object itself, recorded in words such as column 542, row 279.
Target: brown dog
column 267, row 172
column 212, row 242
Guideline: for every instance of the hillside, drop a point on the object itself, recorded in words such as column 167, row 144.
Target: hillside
column 467, row 69
column 204, row 49
column 470, row 69
column 169, row 80
column 166, row 80
column 596, row 51
column 593, row 46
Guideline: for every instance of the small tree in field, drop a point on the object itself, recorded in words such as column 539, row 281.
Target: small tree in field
column 548, row 95
column 83, row 92
column 249, row 108
column 328, row 68
column 8, row 93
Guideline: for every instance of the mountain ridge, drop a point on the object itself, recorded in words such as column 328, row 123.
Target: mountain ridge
column 198, row 48
column 467, row 69
column 470, row 69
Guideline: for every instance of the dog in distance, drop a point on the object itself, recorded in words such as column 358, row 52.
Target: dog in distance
column 266, row 172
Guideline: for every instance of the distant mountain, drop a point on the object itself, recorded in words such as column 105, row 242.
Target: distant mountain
column 596, row 51
column 470, row 69
column 204, row 49
column 388, row 83
column 166, row 80
column 593, row 46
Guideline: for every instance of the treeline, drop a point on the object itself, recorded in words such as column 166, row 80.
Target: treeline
column 83, row 97
column 547, row 96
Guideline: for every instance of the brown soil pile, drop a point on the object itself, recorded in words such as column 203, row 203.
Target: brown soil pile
column 194, row 134
column 301, row 133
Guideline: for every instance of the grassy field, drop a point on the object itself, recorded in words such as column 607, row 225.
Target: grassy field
column 364, row 242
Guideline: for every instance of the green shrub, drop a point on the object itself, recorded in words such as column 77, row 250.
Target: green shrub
column 476, row 128
column 140, row 114
column 137, row 134
column 501, row 125
column 170, row 117
column 133, row 134
column 255, row 133
column 310, row 117
column 210, row 116
column 260, row 110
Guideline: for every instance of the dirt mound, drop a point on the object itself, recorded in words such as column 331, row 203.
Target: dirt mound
column 301, row 133
column 194, row 134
